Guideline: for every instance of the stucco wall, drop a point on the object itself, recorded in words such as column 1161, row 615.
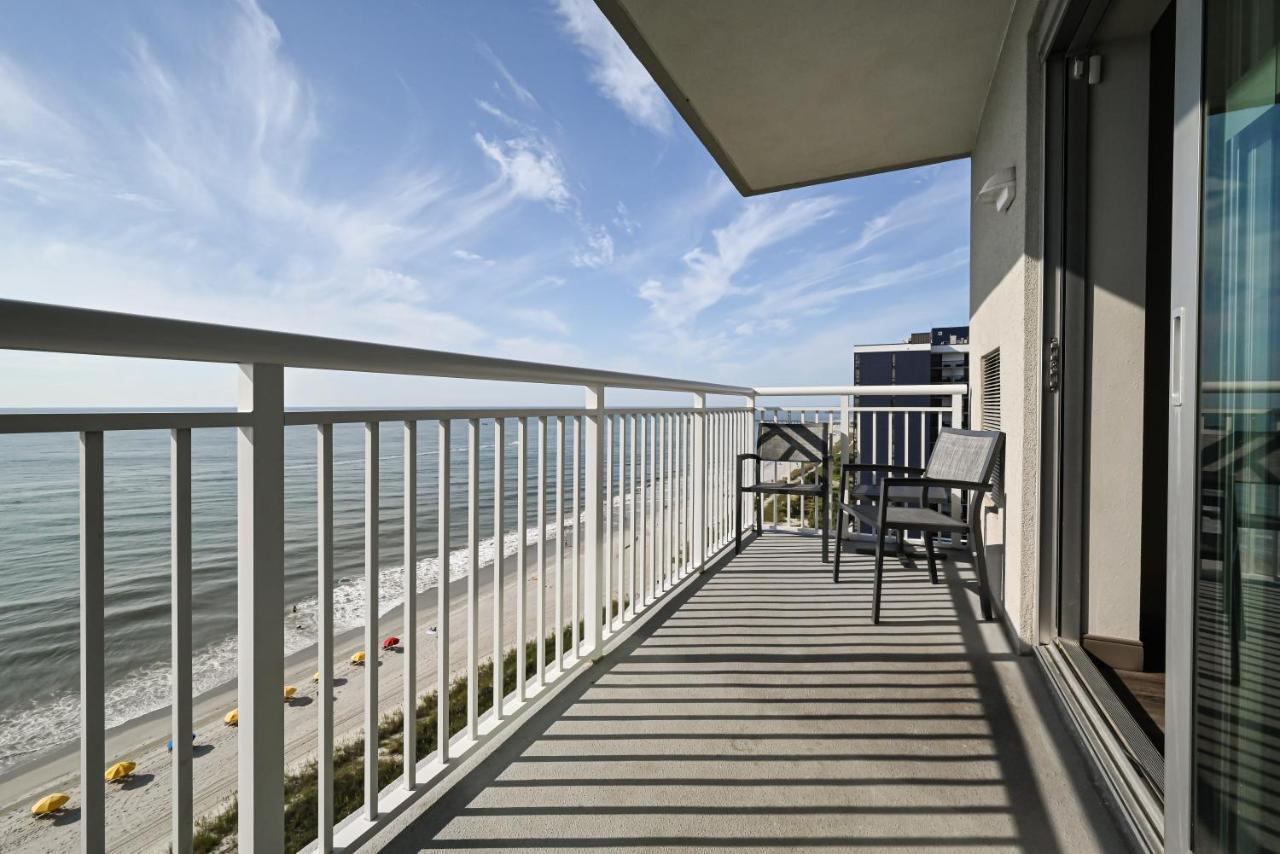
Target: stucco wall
column 1005, row 309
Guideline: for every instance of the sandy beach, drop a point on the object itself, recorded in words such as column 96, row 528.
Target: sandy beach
column 138, row 815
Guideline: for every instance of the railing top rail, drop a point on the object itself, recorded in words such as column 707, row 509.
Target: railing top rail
column 62, row 329
column 841, row 390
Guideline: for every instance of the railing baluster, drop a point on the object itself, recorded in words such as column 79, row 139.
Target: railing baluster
column 410, row 605
column 92, row 660
column 259, row 604
column 371, row 620
column 660, row 492
column 558, row 608
column 622, row 519
column 541, row 621
column 699, row 481
column 651, row 531
column 575, row 581
column 634, row 508
column 669, row 493
column 180, row 634
column 499, row 552
column 324, row 637
column 443, row 459
column 607, row 568
column 642, row 536
column 592, row 567
column 473, row 579
column 522, row 578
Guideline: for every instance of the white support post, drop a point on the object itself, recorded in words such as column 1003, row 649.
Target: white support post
column 522, row 534
column 324, row 639
column 499, row 549
column 92, row 660
column 540, row 623
column 606, row 566
column 593, row 586
column 575, row 578
column 180, row 636
column 700, row 481
column 442, row 592
column 371, row 493
column 410, row 605
column 259, row 606
column 473, row 578
column 557, row 608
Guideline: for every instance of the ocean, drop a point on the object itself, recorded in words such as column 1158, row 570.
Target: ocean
column 39, row 558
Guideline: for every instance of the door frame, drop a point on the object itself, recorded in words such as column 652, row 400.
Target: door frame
column 1184, row 347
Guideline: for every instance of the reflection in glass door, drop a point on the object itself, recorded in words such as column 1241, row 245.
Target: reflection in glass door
column 1236, row 715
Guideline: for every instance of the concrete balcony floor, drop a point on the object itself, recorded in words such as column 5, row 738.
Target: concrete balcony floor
column 760, row 710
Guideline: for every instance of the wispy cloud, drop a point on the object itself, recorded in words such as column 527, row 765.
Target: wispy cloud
column 530, row 167
column 517, row 90
column 710, row 273
column 540, row 319
column 616, row 72
column 464, row 255
column 599, row 249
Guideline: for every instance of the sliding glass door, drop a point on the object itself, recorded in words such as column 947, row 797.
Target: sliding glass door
column 1235, row 703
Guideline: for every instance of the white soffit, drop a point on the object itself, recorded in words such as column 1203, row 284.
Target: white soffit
column 791, row 92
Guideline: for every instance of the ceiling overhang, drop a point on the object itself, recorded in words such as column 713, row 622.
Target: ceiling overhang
column 785, row 94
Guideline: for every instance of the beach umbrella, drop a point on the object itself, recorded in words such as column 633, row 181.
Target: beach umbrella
column 289, row 691
column 120, row 771
column 391, row 642
column 232, row 718
column 50, row 803
column 316, row 678
column 358, row 658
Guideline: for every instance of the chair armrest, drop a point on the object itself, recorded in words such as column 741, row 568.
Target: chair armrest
column 926, row 482
column 742, row 457
column 882, row 467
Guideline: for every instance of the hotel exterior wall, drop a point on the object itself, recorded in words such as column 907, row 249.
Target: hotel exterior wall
column 1005, row 309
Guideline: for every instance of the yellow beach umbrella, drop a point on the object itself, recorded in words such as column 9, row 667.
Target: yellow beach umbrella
column 120, row 771
column 50, row 803
column 289, row 691
column 232, row 718
column 358, row 658
column 316, row 678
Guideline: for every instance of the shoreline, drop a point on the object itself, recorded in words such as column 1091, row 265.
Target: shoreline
column 138, row 813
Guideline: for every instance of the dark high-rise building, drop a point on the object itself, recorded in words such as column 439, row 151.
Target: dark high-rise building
column 939, row 356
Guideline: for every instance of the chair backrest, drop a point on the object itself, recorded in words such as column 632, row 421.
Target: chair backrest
column 965, row 455
column 801, row 443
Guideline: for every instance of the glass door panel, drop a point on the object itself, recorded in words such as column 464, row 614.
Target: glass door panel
column 1236, row 715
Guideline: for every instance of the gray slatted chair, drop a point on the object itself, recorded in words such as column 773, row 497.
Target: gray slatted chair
column 961, row 459
column 787, row 443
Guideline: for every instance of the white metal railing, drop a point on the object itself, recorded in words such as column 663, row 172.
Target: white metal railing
column 641, row 498
column 672, row 469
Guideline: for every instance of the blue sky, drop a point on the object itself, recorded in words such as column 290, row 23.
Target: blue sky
column 489, row 177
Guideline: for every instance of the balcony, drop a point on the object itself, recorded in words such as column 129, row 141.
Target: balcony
column 655, row 689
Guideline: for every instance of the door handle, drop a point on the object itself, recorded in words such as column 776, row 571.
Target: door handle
column 1177, row 358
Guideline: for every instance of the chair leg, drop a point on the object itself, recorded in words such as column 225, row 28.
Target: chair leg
column 980, row 562
column 875, row 589
column 835, row 572
column 826, row 529
column 737, row 523
column 933, row 564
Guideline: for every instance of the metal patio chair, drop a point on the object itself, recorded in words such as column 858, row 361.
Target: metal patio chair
column 787, row 443
column 961, row 459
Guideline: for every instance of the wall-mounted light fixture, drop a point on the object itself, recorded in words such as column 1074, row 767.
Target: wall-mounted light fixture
column 999, row 189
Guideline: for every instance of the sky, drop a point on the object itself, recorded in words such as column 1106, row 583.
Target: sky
column 499, row 178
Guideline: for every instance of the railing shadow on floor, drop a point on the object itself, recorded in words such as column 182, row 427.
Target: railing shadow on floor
column 925, row 780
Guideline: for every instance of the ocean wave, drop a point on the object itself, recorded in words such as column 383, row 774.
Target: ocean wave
column 41, row 724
